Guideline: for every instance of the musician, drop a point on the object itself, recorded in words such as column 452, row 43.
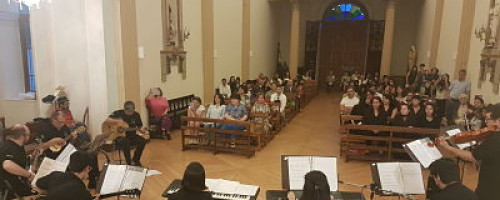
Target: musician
column 62, row 104
column 316, row 187
column 445, row 175
column 486, row 154
column 133, row 119
column 55, row 127
column 13, row 173
column 68, row 185
column 193, row 184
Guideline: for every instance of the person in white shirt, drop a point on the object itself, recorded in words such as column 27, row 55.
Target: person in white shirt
column 348, row 102
column 224, row 88
column 279, row 96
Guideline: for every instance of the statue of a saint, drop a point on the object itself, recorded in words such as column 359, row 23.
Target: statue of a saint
column 412, row 57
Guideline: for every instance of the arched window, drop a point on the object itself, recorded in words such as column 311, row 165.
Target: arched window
column 345, row 11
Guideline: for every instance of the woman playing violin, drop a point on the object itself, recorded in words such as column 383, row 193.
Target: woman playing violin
column 486, row 154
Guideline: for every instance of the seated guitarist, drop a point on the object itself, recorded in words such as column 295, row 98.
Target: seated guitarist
column 55, row 127
column 62, row 104
column 133, row 119
column 13, row 174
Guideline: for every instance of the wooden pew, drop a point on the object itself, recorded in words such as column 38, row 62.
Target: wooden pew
column 177, row 108
column 244, row 139
column 351, row 141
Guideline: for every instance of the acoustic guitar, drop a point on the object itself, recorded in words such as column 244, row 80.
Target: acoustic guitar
column 118, row 130
column 57, row 148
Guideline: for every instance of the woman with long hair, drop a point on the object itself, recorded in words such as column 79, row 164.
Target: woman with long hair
column 193, row 184
column 431, row 120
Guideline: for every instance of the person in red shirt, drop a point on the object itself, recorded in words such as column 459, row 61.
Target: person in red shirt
column 158, row 108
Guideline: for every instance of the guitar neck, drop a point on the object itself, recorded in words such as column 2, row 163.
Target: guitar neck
column 105, row 196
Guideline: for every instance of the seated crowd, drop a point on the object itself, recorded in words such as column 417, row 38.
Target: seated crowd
column 262, row 97
column 426, row 100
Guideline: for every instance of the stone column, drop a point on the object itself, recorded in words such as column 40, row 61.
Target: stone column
column 466, row 23
column 436, row 33
column 245, row 42
column 294, row 39
column 390, row 15
column 207, row 28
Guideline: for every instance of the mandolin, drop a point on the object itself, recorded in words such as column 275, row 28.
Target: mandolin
column 469, row 136
column 57, row 148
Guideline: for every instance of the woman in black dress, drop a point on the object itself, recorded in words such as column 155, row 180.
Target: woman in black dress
column 193, row 184
column 375, row 114
column 430, row 120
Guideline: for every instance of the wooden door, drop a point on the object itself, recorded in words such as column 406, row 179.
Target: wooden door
column 343, row 47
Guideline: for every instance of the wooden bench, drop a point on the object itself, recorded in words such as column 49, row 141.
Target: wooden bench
column 351, row 141
column 178, row 107
column 213, row 139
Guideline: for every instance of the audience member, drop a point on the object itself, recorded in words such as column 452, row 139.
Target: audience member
column 348, row 101
column 461, row 86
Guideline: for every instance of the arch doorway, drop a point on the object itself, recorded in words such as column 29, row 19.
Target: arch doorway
column 348, row 40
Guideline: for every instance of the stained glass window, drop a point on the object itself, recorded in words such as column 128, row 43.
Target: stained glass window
column 346, row 11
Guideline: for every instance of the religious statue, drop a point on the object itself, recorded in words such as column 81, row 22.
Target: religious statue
column 412, row 57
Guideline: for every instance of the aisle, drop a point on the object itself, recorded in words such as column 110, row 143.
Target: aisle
column 313, row 132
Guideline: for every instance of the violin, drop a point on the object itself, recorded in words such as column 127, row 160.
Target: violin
column 469, row 136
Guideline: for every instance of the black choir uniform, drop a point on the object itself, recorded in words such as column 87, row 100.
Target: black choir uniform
column 63, row 186
column 369, row 118
column 131, row 138
column 489, row 175
column 419, row 114
column 455, row 191
column 20, row 186
column 183, row 194
column 424, row 123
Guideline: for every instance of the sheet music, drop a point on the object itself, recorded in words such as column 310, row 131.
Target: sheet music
column 249, row 190
column 413, row 182
column 390, row 177
column 134, row 178
column 298, row 167
column 424, row 153
column 48, row 166
column 113, row 179
column 225, row 187
column 327, row 165
column 461, row 146
column 66, row 153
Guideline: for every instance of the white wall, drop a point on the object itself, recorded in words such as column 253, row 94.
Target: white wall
column 450, row 29
column 263, row 37
column 424, row 30
column 68, row 43
column 149, row 36
column 227, row 38
column 11, row 65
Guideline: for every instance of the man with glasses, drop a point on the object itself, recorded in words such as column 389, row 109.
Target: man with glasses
column 13, row 174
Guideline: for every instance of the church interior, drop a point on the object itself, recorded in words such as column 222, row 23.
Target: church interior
column 297, row 80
